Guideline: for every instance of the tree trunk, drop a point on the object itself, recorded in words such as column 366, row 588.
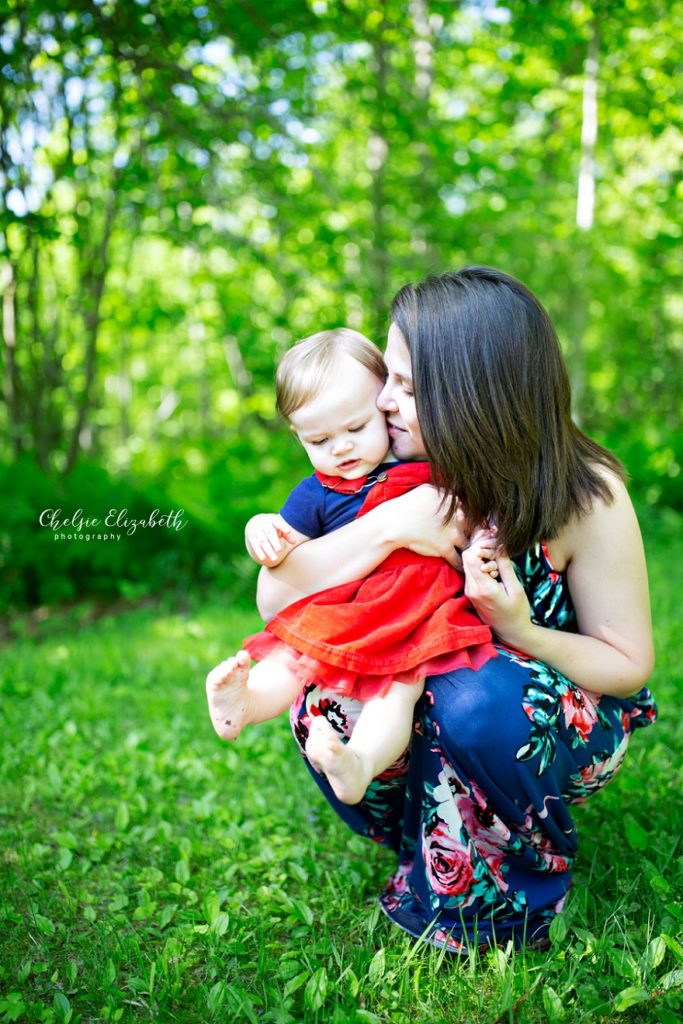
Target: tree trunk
column 585, row 215
column 585, row 198
column 378, row 151
column 425, row 189
column 11, row 381
column 93, row 288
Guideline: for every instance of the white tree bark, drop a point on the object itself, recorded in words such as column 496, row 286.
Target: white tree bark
column 585, row 199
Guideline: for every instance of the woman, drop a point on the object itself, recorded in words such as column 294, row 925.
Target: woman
column 478, row 812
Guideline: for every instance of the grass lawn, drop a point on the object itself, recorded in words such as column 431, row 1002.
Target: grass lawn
column 150, row 872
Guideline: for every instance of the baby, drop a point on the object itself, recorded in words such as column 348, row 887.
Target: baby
column 327, row 388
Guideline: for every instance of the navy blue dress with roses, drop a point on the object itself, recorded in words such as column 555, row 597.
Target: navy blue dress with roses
column 478, row 810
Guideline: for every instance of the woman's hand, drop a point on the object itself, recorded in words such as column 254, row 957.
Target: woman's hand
column 496, row 594
column 417, row 522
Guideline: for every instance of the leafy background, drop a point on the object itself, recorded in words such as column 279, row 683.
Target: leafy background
column 186, row 188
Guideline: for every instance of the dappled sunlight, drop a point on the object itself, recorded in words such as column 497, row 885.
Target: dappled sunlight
column 185, row 191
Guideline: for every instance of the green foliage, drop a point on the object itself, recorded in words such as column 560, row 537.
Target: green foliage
column 213, row 491
column 44, row 564
column 148, row 870
column 185, row 190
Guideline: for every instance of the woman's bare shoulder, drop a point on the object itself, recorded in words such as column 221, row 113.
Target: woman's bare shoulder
column 603, row 523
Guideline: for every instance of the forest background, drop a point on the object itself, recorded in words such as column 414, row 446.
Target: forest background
column 187, row 188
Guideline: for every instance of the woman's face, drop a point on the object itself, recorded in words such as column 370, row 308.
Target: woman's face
column 397, row 399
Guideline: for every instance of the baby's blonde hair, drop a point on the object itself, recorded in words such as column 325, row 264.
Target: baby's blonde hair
column 310, row 365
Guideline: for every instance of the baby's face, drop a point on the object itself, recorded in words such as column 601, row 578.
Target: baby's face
column 342, row 430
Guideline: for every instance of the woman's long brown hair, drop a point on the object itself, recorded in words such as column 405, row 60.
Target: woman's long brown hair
column 494, row 405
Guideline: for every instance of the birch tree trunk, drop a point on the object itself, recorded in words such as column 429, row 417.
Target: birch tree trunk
column 585, row 198
column 585, row 216
column 11, row 381
column 423, row 56
column 377, row 154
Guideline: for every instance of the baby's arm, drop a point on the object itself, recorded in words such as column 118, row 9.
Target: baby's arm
column 269, row 539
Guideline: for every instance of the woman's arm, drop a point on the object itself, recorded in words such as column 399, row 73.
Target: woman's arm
column 613, row 651
column 413, row 520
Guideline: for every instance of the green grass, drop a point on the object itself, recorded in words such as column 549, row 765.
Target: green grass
column 150, row 872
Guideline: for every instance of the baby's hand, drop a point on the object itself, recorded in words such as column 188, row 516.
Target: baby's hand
column 498, row 598
column 268, row 538
column 482, row 550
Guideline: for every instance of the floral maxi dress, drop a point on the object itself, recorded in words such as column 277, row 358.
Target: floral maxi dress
column 478, row 809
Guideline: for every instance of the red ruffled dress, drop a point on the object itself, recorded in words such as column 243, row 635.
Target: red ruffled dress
column 406, row 620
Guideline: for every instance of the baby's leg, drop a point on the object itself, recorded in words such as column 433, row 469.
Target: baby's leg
column 239, row 697
column 381, row 735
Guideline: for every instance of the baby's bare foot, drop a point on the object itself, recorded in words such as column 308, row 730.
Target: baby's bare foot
column 345, row 769
column 226, row 692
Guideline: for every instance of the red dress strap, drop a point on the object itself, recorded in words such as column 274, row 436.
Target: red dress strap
column 396, row 481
